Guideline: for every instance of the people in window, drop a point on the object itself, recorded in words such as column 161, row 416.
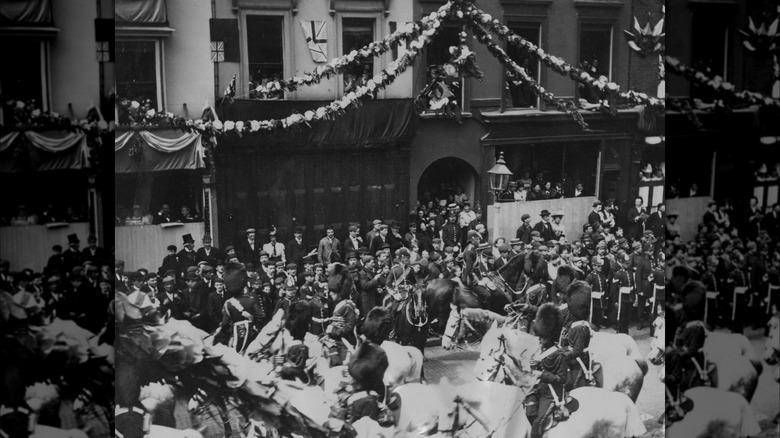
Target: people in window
column 23, row 217
column 186, row 215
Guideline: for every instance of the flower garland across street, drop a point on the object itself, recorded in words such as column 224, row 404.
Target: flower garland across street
column 726, row 89
column 518, row 74
column 143, row 116
column 557, row 64
column 427, row 26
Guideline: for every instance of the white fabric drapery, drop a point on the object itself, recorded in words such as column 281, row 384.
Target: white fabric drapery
column 56, row 144
column 168, row 145
column 7, row 140
column 121, row 140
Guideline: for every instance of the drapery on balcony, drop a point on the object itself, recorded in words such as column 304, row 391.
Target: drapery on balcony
column 25, row 13
column 141, row 12
column 145, row 151
column 43, row 151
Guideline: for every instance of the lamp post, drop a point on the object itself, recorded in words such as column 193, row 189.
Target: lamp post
column 499, row 176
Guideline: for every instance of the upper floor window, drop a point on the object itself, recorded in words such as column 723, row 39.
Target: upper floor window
column 143, row 80
column 27, row 80
column 437, row 53
column 265, row 51
column 522, row 95
column 357, row 32
column 595, row 54
column 710, row 33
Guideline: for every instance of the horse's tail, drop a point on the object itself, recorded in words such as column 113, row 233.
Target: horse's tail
column 634, row 425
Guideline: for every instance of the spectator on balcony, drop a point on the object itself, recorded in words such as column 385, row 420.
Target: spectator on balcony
column 594, row 218
column 164, row 215
column 536, row 193
column 137, row 217
column 557, row 191
column 546, row 190
column 23, row 217
column 579, row 190
column 50, row 215
column 71, row 215
column 693, row 190
column 186, row 215
column 520, row 191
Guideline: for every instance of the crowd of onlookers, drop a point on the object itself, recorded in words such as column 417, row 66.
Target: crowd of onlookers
column 28, row 215
column 138, row 216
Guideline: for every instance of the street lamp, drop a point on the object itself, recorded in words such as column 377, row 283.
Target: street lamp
column 499, row 176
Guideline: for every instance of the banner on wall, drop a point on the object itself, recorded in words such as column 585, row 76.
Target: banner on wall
column 316, row 35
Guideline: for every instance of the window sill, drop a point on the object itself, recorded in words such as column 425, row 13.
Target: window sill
column 28, row 31
column 144, row 31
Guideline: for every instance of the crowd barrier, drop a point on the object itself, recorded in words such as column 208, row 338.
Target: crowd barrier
column 29, row 246
column 143, row 246
column 503, row 218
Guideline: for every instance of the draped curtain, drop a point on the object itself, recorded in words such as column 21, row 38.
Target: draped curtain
column 37, row 12
column 144, row 151
column 143, row 12
column 40, row 151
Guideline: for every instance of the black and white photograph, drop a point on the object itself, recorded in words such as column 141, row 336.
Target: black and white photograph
column 390, row 218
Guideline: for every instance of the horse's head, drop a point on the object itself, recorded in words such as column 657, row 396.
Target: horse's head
column 505, row 356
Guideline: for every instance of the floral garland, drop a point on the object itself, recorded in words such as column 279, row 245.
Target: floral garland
column 725, row 89
column 427, row 26
column 142, row 115
column 557, row 64
column 519, row 75
column 27, row 115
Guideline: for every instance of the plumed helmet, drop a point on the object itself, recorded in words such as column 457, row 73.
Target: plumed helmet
column 548, row 322
column 235, row 277
column 579, row 299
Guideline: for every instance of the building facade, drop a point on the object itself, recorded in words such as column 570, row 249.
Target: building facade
column 324, row 177
column 54, row 172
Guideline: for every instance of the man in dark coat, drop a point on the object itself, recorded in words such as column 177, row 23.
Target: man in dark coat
column 208, row 253
column 369, row 283
column 544, row 227
column 353, row 242
column 450, row 233
column 379, row 239
column 635, row 220
column 248, row 251
column 72, row 256
column 594, row 218
column 187, row 256
column 93, row 253
column 295, row 250
column 524, row 230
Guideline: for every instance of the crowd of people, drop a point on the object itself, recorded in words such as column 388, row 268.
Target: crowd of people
column 26, row 215
column 137, row 216
column 58, row 334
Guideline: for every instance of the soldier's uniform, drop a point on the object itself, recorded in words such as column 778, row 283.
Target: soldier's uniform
column 576, row 334
column 598, row 283
column 621, row 310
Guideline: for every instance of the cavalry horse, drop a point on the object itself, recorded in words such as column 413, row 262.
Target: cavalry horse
column 702, row 411
column 492, row 409
column 722, row 359
column 620, row 366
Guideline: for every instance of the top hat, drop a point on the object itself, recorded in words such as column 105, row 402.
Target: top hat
column 187, row 238
column 73, row 238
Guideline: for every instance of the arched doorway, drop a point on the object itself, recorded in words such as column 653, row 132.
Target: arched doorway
column 444, row 177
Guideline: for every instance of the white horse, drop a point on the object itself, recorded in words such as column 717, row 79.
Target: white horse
column 473, row 320
column 716, row 414
column 736, row 364
column 491, row 409
column 42, row 431
column 404, row 364
column 622, row 365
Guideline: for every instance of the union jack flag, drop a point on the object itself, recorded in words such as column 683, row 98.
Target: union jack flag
column 316, row 34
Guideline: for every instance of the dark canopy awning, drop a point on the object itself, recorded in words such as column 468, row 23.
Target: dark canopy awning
column 141, row 12
column 25, row 12
column 374, row 124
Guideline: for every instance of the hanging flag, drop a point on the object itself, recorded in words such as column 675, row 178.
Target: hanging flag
column 317, row 38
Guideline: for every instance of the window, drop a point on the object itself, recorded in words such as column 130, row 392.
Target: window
column 25, row 80
column 265, row 51
column 522, row 95
column 559, row 166
column 437, row 53
column 142, row 81
column 709, row 47
column 356, row 33
column 595, row 55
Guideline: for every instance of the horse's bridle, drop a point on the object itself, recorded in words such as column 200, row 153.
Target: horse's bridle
column 419, row 307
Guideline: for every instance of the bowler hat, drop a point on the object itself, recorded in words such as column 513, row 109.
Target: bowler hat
column 525, row 216
column 544, row 213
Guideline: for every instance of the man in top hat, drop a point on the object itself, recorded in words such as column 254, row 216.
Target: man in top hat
column 274, row 248
column 187, row 256
column 248, row 250
column 373, row 231
column 72, row 255
column 329, row 249
column 524, row 230
column 208, row 253
column 544, row 227
column 380, row 239
column 93, row 253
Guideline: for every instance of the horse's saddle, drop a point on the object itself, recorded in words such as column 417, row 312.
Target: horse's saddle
column 559, row 413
